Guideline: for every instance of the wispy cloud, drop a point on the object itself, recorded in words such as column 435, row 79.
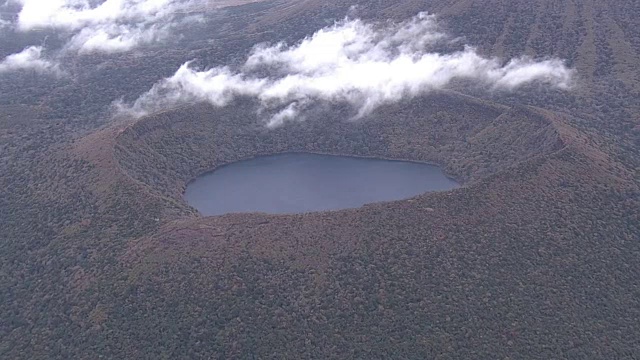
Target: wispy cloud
column 107, row 26
column 29, row 59
column 353, row 61
column 76, row 14
column 112, row 38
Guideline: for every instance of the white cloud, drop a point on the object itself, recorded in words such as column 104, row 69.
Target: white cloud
column 352, row 61
column 114, row 38
column 76, row 14
column 29, row 59
column 291, row 112
column 104, row 26
column 521, row 71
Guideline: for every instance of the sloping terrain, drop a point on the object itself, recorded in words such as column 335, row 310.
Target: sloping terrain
column 514, row 266
column 509, row 264
column 166, row 150
column 598, row 38
column 537, row 255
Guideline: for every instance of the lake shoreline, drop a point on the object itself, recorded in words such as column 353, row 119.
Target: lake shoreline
column 347, row 181
column 218, row 167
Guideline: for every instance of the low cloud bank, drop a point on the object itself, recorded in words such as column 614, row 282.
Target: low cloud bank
column 29, row 59
column 104, row 26
column 113, row 38
column 76, row 14
column 353, row 61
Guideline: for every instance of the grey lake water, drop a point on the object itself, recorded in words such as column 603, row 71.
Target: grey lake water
column 300, row 182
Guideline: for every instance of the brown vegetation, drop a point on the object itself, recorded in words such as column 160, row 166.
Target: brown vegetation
column 536, row 256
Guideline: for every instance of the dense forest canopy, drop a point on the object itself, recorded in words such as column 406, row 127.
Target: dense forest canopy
column 108, row 108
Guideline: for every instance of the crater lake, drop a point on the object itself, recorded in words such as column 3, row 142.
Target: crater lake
column 302, row 182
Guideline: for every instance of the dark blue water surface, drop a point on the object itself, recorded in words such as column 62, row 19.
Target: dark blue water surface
column 298, row 183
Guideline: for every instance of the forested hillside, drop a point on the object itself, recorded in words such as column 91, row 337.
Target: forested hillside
column 536, row 255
